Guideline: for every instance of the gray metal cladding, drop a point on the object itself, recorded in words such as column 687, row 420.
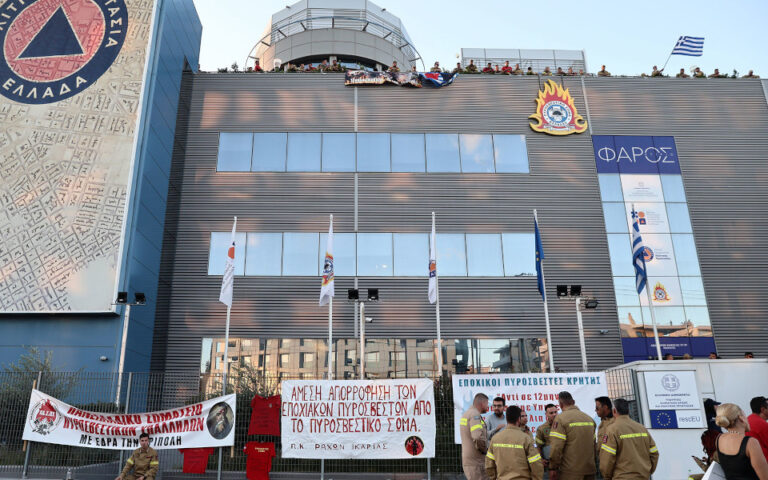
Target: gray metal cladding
column 562, row 185
column 721, row 131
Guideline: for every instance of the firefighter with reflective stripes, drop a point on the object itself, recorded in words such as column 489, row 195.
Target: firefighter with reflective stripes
column 512, row 454
column 572, row 438
column 604, row 410
column 627, row 450
column 474, row 439
column 143, row 462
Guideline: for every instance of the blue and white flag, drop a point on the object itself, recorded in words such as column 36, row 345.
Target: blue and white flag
column 690, row 46
column 638, row 257
column 539, row 258
column 438, row 79
column 432, row 292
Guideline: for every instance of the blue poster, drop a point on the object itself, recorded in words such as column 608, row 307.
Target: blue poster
column 634, row 154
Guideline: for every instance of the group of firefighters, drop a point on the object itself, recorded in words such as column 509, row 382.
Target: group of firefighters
column 566, row 445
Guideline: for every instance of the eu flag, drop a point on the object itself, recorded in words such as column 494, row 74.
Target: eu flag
column 539, row 258
column 663, row 419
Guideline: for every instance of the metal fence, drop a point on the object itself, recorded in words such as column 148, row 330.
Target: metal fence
column 143, row 392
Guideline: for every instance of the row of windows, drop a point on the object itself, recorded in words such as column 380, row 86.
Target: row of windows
column 372, row 152
column 376, row 254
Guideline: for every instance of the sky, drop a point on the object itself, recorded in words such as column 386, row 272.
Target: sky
column 628, row 37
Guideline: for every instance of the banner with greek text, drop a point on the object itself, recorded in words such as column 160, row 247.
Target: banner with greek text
column 358, row 419
column 209, row 423
column 529, row 391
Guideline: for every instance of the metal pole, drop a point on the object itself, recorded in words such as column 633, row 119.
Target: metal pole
column 322, row 469
column 121, row 364
column 27, row 444
column 125, row 410
column 330, row 339
column 439, row 356
column 224, row 380
column 653, row 319
column 581, row 335
column 429, row 468
column 546, row 310
column 362, row 340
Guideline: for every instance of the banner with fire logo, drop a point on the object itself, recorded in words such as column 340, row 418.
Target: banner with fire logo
column 556, row 112
column 209, row 423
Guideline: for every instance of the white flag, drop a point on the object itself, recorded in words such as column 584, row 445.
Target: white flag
column 228, row 280
column 326, row 288
column 432, row 266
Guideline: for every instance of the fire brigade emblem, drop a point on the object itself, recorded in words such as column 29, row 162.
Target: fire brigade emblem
column 51, row 50
column 44, row 417
column 556, row 112
column 660, row 293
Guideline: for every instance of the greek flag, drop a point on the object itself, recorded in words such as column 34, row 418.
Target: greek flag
column 638, row 258
column 690, row 46
column 539, row 258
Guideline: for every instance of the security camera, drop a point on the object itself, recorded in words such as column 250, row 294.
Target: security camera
column 603, row 331
column 369, row 319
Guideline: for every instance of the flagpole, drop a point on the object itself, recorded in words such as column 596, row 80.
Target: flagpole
column 226, row 363
column 437, row 312
column 546, row 308
column 330, row 331
column 665, row 63
column 653, row 319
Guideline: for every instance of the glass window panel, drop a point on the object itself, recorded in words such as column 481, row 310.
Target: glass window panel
column 234, row 152
column 269, row 152
column 373, row 152
column 626, row 291
column 264, row 252
column 510, row 154
column 344, row 258
column 300, row 254
column 670, row 321
column 631, row 322
column 610, row 187
column 615, row 218
column 411, row 254
column 679, row 220
column 451, row 255
column 621, row 255
column 217, row 258
column 476, row 153
column 303, row 152
column 408, row 152
column 374, row 254
column 338, row 152
column 484, row 255
column 673, row 188
column 685, row 254
column 699, row 321
column 693, row 291
column 443, row 152
column 519, row 254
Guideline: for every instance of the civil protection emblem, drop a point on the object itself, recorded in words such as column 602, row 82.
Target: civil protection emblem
column 327, row 269
column 556, row 112
column 44, row 417
column 51, row 50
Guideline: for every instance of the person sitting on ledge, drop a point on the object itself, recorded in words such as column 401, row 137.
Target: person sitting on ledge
column 530, row 71
column 682, row 74
column 697, row 73
column 547, row 72
column 581, row 72
column 506, row 69
column 751, row 74
column 394, row 68
column 436, row 68
column 603, row 72
column 570, row 72
column 323, row 67
column 560, row 71
column 310, row 68
column 257, row 67
column 471, row 68
column 302, row 68
column 458, row 68
column 517, row 70
column 413, row 69
column 717, row 74
column 656, row 72
column 497, row 69
column 336, row 66
column 488, row 69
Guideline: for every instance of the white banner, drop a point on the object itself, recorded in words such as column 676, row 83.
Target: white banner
column 667, row 390
column 358, row 418
column 530, row 391
column 205, row 424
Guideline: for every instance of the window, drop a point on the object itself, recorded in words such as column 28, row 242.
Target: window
column 263, row 253
column 451, row 255
column 374, row 253
column 693, row 291
column 476, row 153
column 411, row 254
column 303, row 152
column 510, row 153
column 424, row 358
column 217, row 259
column 408, row 152
column 300, row 254
column 371, row 357
column 285, row 360
column 344, row 255
column 679, row 220
column 673, row 188
column 610, row 187
column 373, row 152
column 699, row 321
column 306, row 360
column 626, row 291
column 443, row 152
column 615, row 218
column 484, row 255
column 685, row 254
column 269, row 152
column 338, row 152
column 519, row 254
column 396, row 357
column 621, row 255
column 234, row 152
